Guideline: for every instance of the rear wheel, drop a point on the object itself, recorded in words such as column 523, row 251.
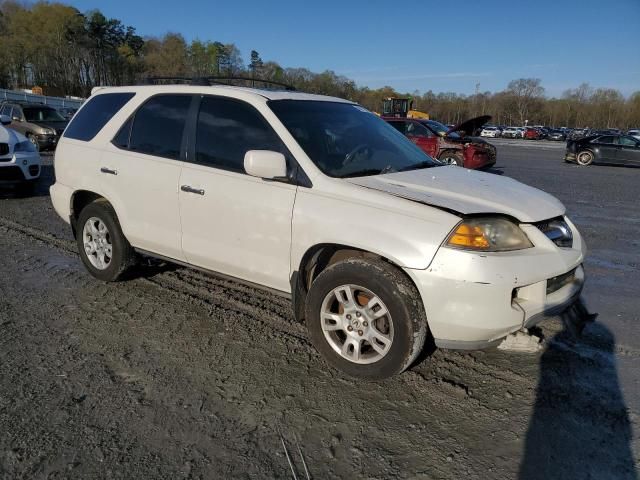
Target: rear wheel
column 103, row 248
column 452, row 158
column 584, row 158
column 366, row 318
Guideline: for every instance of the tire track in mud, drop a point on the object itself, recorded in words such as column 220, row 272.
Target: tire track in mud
column 446, row 373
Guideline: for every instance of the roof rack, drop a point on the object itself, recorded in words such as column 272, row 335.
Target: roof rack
column 218, row 80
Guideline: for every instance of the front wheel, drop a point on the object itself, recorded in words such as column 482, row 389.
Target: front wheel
column 584, row 158
column 103, row 248
column 366, row 318
column 452, row 158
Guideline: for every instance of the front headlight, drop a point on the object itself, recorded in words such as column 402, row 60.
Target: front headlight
column 25, row 146
column 489, row 234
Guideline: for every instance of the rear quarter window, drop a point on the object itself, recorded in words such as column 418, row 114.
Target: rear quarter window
column 95, row 114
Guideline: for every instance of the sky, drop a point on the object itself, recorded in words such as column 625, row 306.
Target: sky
column 444, row 46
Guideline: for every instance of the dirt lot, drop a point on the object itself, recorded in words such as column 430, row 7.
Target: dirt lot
column 177, row 374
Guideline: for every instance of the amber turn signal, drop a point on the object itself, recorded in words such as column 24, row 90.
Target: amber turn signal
column 467, row 236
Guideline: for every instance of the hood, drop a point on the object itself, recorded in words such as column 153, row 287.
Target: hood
column 469, row 126
column 57, row 125
column 467, row 192
column 10, row 136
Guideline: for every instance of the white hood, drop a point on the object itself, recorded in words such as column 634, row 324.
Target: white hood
column 467, row 192
column 10, row 136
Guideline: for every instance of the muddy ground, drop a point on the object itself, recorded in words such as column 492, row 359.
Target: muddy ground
column 177, row 374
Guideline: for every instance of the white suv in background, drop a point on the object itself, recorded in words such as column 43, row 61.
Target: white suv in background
column 20, row 161
column 491, row 132
column 376, row 243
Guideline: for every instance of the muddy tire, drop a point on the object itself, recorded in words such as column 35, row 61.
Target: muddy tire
column 584, row 158
column 452, row 158
column 366, row 318
column 102, row 246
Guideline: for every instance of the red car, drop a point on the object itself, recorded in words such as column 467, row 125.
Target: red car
column 532, row 134
column 449, row 145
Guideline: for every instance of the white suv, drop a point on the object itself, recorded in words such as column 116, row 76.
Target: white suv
column 377, row 244
column 20, row 162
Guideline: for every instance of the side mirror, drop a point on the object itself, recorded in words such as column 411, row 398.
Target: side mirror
column 5, row 120
column 265, row 164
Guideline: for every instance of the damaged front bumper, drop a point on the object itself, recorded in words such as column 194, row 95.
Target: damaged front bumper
column 473, row 300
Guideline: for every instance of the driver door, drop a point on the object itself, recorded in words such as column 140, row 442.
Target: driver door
column 423, row 138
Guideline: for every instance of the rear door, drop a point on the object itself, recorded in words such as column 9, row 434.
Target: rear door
column 605, row 148
column 140, row 171
column 234, row 223
column 628, row 151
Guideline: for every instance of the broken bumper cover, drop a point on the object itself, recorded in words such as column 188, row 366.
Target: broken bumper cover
column 473, row 300
column 570, row 157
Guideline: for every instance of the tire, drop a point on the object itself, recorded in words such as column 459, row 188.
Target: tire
column 405, row 324
column 33, row 140
column 452, row 158
column 122, row 256
column 584, row 158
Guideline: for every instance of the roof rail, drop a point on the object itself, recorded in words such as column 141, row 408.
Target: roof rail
column 218, row 80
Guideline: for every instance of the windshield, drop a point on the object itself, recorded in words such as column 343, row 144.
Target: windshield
column 441, row 129
column 35, row 114
column 345, row 140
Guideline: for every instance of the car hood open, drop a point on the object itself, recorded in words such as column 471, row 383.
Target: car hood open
column 467, row 192
column 469, row 126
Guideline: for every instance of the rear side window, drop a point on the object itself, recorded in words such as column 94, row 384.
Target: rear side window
column 158, row 126
column 95, row 114
column 227, row 129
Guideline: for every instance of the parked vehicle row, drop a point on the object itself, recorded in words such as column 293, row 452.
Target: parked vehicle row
column 42, row 125
column 378, row 245
column 20, row 162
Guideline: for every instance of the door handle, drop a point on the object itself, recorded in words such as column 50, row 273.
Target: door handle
column 109, row 171
column 188, row 189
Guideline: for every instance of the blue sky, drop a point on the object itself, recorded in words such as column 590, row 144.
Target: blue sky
column 444, row 46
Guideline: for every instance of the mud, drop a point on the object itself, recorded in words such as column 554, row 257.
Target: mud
column 177, row 374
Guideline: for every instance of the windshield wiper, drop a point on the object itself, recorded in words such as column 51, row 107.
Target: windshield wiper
column 418, row 166
column 370, row 171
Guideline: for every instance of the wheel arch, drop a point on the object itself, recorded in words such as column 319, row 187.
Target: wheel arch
column 79, row 200
column 318, row 258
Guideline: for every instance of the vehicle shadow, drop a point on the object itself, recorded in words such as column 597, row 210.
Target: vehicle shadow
column 579, row 427
column 39, row 189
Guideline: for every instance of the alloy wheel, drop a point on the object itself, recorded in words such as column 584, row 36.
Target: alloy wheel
column 97, row 243
column 357, row 324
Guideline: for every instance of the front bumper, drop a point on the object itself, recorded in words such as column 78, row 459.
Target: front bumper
column 20, row 167
column 47, row 142
column 473, row 300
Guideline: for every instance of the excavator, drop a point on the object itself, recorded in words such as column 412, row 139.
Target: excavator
column 402, row 108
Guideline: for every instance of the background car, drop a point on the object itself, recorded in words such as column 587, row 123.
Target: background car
column 492, row 132
column 635, row 133
column 609, row 149
column 67, row 112
column 510, row 132
column 19, row 161
column 557, row 135
column 41, row 124
column 531, row 133
column 449, row 145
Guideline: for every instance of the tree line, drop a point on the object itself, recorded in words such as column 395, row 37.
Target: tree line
column 67, row 52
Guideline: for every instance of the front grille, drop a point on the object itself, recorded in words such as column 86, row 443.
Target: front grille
column 556, row 283
column 4, row 148
column 557, row 230
column 11, row 174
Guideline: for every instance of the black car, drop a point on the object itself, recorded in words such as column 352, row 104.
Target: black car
column 610, row 149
